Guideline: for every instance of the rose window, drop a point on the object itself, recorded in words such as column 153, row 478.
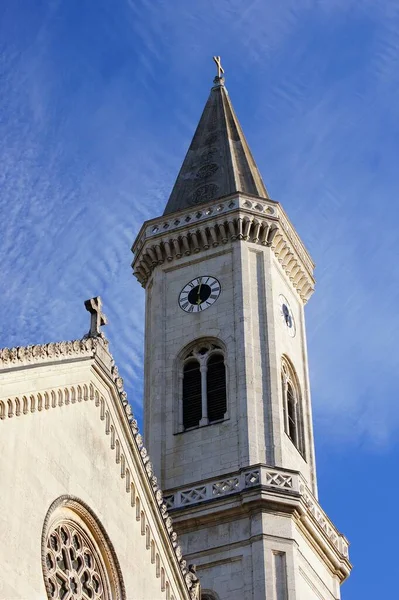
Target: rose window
column 73, row 571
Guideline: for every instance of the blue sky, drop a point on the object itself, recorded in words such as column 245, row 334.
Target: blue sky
column 99, row 101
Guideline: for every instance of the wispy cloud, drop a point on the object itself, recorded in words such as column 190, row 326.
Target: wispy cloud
column 93, row 132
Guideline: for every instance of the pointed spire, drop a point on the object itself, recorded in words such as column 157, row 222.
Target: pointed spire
column 219, row 161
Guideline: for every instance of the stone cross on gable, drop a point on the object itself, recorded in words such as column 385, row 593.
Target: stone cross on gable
column 93, row 305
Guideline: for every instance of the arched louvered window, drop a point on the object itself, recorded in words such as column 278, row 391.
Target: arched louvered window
column 216, row 387
column 292, row 416
column 292, row 406
column 192, row 397
column 204, row 386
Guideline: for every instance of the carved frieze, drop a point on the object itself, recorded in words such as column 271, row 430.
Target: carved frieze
column 243, row 218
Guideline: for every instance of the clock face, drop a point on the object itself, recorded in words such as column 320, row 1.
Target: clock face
column 199, row 294
column 286, row 315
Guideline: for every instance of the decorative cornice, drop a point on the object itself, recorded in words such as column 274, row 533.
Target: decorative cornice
column 234, row 218
column 40, row 401
column 54, row 351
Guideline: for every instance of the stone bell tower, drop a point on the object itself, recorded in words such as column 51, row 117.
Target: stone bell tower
column 227, row 402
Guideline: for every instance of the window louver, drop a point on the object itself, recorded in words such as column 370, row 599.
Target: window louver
column 216, row 388
column 292, row 422
column 192, row 405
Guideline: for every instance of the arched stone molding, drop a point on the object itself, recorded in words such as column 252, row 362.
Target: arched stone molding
column 78, row 523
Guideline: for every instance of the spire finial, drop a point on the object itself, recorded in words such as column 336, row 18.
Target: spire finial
column 219, row 79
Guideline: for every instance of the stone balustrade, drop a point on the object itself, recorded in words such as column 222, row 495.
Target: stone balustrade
column 265, row 477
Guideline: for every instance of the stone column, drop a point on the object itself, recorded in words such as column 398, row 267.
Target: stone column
column 204, row 395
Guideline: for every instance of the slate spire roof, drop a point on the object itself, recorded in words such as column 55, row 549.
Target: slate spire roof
column 219, row 161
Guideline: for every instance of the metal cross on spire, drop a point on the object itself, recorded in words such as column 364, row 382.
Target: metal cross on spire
column 93, row 305
column 218, row 66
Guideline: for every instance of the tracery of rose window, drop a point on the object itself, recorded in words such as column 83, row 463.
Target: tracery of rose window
column 73, row 570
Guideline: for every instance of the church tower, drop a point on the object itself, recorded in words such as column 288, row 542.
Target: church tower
column 227, row 402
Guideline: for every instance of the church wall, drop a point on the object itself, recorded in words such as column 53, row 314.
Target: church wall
column 220, row 447
column 308, row 576
column 316, row 580
column 294, row 348
column 228, row 561
column 262, row 555
column 257, row 380
column 247, row 320
column 266, row 341
column 309, row 591
column 64, row 450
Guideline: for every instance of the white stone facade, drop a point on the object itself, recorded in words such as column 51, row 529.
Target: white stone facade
column 247, row 322
column 67, row 439
column 258, row 538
